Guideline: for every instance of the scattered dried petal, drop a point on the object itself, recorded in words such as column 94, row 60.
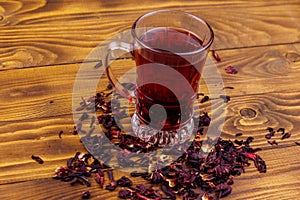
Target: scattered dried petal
column 239, row 142
column 109, row 86
column 273, row 142
column 99, row 64
column 80, row 108
column 84, row 180
column 139, row 174
column 113, row 184
column 224, row 190
column 260, row 164
column 124, row 182
column 199, row 95
column 108, row 94
column 125, row 194
column 270, row 134
column 100, row 179
column 37, row 159
column 75, row 132
column 228, row 87
column 86, row 194
column 84, row 116
column 282, row 130
column 92, row 121
column 204, row 119
column 168, row 192
column 286, row 135
column 249, row 140
column 110, row 187
column 212, row 172
column 216, row 56
column 238, row 134
column 60, row 133
column 204, row 99
column 231, row 181
column 230, row 70
column 225, row 97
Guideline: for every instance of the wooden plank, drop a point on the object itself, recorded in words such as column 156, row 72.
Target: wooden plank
column 20, row 140
column 32, row 127
column 36, row 33
column 279, row 181
column 40, row 33
column 26, row 93
column 57, row 190
column 31, row 131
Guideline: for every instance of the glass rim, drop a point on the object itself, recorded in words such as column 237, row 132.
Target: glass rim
column 204, row 48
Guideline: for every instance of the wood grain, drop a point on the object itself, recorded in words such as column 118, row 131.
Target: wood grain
column 36, row 33
column 40, row 136
column 251, row 185
column 20, row 140
column 26, row 93
column 54, row 190
column 43, row 45
column 32, row 127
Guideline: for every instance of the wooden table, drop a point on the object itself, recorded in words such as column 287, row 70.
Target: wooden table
column 43, row 44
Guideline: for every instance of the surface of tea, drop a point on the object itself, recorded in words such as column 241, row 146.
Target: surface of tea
column 168, row 72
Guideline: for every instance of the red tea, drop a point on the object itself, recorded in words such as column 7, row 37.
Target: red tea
column 168, row 73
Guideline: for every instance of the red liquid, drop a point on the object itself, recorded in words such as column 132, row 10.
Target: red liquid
column 174, row 85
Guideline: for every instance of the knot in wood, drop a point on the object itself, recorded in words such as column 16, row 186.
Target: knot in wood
column 293, row 56
column 248, row 113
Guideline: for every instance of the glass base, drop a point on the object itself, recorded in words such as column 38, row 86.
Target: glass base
column 160, row 137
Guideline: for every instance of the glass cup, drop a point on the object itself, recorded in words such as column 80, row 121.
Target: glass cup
column 170, row 50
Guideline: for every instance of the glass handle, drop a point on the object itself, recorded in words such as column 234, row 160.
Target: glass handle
column 121, row 89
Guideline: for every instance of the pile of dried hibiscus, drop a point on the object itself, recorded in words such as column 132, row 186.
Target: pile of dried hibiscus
column 194, row 175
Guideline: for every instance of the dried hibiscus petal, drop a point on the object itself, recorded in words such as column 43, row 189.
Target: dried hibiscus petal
column 270, row 134
column 99, row 179
column 239, row 142
column 204, row 119
column 230, row 70
column 273, row 142
column 60, row 133
column 216, row 56
column 168, row 192
column 228, row 87
column 37, row 159
column 258, row 161
column 210, row 171
column 109, row 86
column 238, row 134
column 286, row 135
column 112, row 183
column 282, row 130
column 86, row 194
column 225, row 97
column 204, row 99
column 224, row 190
column 125, row 194
column 260, row 164
column 139, row 174
column 124, row 182
column 99, row 64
